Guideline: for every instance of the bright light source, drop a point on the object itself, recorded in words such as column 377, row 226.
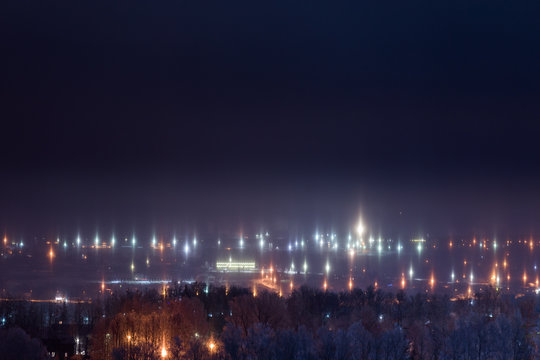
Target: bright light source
column 360, row 229
column 237, row 266
column 163, row 352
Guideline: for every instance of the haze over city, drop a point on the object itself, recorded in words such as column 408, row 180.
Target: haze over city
column 260, row 156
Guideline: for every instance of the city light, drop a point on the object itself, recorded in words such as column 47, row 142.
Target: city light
column 360, row 229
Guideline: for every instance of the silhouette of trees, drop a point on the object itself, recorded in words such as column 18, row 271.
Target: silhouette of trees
column 200, row 322
column 15, row 343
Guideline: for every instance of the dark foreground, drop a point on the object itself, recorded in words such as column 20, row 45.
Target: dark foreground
column 200, row 322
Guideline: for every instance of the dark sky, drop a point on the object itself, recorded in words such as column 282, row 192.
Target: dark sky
column 140, row 114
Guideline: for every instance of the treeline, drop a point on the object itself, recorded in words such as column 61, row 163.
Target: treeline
column 199, row 322
column 204, row 322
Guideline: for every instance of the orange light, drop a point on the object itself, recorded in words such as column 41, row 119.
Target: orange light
column 432, row 281
column 350, row 284
column 325, row 285
column 163, row 352
column 211, row 346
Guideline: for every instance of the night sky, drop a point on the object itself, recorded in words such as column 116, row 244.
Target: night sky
column 421, row 116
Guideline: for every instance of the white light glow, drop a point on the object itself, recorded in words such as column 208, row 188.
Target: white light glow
column 360, row 229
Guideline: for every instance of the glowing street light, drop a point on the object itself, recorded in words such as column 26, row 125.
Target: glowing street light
column 360, row 229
